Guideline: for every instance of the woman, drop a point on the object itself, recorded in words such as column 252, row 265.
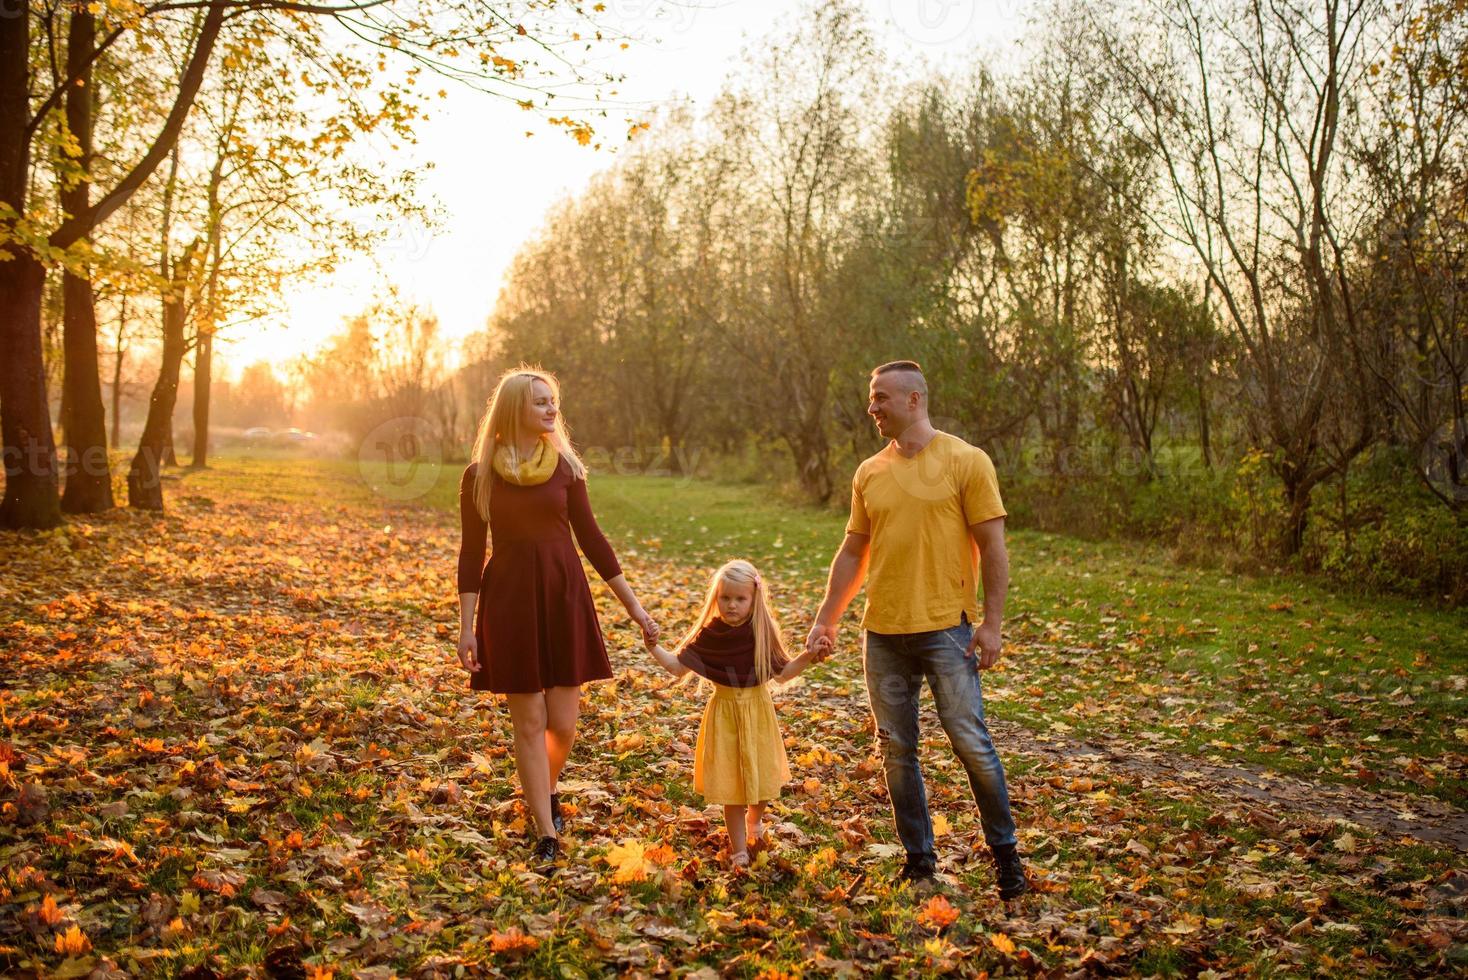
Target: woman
column 534, row 637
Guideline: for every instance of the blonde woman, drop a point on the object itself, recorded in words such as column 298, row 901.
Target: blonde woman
column 735, row 643
column 528, row 626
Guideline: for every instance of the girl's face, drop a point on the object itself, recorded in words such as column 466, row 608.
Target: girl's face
column 542, row 409
column 736, row 600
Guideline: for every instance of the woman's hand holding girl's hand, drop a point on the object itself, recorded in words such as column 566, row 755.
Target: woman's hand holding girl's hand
column 650, row 630
column 468, row 651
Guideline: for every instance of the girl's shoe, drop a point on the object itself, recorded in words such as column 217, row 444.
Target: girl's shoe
column 546, row 851
column 558, row 820
column 739, row 860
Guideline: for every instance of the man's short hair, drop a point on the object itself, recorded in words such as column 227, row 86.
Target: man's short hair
column 911, row 367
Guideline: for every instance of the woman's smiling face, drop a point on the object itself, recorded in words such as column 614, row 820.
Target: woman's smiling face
column 541, row 410
column 735, row 599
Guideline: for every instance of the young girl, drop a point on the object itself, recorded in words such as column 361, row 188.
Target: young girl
column 740, row 757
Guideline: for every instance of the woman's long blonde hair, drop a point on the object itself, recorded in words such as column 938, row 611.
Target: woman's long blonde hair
column 766, row 626
column 502, row 425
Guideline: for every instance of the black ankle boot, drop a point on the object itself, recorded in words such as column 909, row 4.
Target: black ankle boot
column 918, row 868
column 1009, row 871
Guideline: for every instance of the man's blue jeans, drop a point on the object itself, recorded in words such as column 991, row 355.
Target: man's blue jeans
column 895, row 668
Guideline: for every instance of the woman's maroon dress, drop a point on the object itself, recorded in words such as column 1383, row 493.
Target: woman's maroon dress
column 536, row 622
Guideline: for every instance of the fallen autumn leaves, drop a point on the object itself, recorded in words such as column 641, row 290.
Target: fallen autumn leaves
column 235, row 743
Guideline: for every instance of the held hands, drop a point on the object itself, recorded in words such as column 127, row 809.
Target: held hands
column 820, row 642
column 987, row 641
column 650, row 630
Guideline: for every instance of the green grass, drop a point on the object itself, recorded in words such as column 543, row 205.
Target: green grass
column 1106, row 638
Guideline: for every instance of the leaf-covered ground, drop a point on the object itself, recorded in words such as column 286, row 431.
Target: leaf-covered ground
column 234, row 742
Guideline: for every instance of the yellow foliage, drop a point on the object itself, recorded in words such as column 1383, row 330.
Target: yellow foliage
column 938, row 913
column 72, row 942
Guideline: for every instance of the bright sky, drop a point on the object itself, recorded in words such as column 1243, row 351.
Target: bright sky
column 496, row 184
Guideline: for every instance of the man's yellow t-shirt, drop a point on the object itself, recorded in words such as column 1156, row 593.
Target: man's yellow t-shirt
column 923, row 566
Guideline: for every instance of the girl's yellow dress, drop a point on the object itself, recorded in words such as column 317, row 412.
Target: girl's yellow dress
column 740, row 755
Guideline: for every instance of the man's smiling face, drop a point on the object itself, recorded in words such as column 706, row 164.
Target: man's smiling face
column 892, row 403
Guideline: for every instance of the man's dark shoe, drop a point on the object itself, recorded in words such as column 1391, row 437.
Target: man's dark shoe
column 918, row 868
column 558, row 820
column 1010, row 872
column 545, row 853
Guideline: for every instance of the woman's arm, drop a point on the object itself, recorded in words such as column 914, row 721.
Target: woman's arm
column 594, row 545
column 473, row 539
column 624, row 595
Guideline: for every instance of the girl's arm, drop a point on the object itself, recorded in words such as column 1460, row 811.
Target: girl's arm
column 667, row 658
column 793, row 668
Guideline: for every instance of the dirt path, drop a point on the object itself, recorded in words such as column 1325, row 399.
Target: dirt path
column 1402, row 814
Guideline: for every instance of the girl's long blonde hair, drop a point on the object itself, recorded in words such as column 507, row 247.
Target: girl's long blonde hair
column 766, row 626
column 503, row 423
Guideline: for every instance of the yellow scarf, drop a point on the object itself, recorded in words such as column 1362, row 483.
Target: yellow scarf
column 531, row 472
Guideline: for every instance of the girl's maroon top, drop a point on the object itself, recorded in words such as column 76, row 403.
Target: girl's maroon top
column 725, row 654
column 536, row 621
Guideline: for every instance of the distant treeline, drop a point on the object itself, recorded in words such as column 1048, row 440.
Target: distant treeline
column 1190, row 268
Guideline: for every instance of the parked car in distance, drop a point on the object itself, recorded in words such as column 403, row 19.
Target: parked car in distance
column 255, row 435
column 293, row 437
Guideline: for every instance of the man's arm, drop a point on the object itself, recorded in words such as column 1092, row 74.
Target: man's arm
column 848, row 570
column 994, row 569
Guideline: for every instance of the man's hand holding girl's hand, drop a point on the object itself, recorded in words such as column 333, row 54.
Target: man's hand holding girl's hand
column 820, row 642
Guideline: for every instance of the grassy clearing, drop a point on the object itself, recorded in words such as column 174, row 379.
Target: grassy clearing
column 246, row 744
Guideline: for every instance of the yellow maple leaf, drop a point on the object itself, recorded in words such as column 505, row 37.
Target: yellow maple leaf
column 72, row 942
column 630, row 860
column 1002, row 943
column 820, row 861
column 941, row 825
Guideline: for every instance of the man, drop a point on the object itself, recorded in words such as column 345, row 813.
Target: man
column 925, row 516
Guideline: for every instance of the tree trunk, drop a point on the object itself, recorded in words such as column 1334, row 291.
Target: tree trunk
column 84, row 422
column 88, row 476
column 1203, row 433
column 144, row 482
column 1297, row 500
column 203, row 356
column 119, row 352
column 144, row 486
column 170, row 455
column 31, row 498
column 31, row 485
